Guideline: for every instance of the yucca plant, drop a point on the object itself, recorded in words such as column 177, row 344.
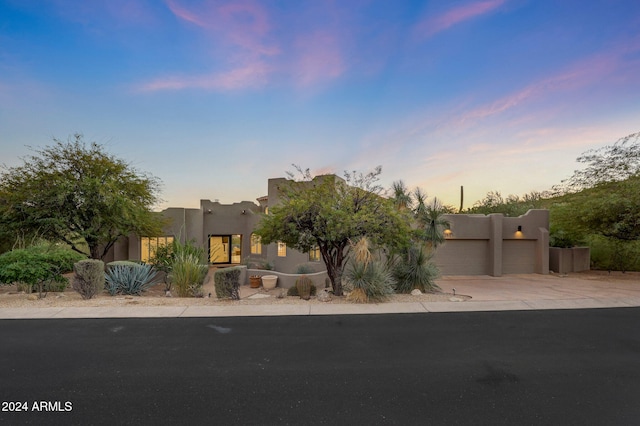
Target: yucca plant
column 130, row 279
column 413, row 269
column 370, row 282
column 367, row 279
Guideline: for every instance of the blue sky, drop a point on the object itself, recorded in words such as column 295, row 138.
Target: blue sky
column 215, row 97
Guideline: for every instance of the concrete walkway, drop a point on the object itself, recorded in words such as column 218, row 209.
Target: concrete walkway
column 507, row 293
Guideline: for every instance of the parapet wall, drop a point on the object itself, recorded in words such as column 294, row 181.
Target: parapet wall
column 495, row 245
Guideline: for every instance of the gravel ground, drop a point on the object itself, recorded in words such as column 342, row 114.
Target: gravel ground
column 11, row 298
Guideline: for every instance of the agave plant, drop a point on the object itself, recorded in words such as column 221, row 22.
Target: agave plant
column 130, row 279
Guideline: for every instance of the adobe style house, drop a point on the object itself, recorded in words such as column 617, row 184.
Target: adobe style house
column 475, row 244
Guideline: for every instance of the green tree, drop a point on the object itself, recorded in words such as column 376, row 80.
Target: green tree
column 328, row 212
column 78, row 194
column 612, row 163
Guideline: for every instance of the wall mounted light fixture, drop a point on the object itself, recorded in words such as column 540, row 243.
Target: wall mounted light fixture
column 519, row 228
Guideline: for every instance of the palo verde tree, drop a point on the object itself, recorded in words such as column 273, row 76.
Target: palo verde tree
column 328, row 212
column 77, row 193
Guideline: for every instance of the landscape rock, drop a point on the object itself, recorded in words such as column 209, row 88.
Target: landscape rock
column 32, row 297
column 416, row 292
column 324, row 296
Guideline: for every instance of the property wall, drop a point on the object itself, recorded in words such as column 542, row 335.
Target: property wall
column 492, row 245
column 565, row 260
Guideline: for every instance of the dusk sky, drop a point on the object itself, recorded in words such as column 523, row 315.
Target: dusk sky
column 215, row 97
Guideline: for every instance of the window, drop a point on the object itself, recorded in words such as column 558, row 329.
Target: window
column 282, row 249
column 148, row 246
column 314, row 254
column 256, row 244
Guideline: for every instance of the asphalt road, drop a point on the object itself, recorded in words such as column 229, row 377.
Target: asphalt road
column 536, row 367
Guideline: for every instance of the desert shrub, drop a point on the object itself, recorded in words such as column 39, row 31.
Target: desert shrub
column 163, row 259
column 38, row 267
column 89, row 277
column 293, row 291
column 608, row 254
column 368, row 282
column 413, row 269
column 227, row 282
column 303, row 268
column 187, row 274
column 130, row 279
column 122, row 263
column 252, row 262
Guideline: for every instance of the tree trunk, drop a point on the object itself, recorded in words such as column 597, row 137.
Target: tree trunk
column 333, row 262
column 94, row 250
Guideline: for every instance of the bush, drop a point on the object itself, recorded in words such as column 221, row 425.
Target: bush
column 227, row 282
column 39, row 266
column 368, row 282
column 293, row 291
column 257, row 263
column 414, row 270
column 123, row 263
column 89, row 277
column 188, row 275
column 303, row 268
column 130, row 279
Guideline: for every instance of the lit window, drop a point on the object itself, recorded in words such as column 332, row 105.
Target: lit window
column 149, row 245
column 256, row 244
column 282, row 249
column 314, row 254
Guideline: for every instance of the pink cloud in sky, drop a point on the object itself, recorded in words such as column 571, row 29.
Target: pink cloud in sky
column 241, row 24
column 241, row 28
column 596, row 70
column 245, row 40
column 432, row 25
column 318, row 58
column 252, row 75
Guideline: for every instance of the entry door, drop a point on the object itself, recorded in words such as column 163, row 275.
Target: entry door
column 219, row 250
column 225, row 248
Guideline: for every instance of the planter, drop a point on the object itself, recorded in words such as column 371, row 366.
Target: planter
column 254, row 281
column 269, row 282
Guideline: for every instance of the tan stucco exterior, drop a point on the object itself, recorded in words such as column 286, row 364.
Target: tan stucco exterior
column 475, row 244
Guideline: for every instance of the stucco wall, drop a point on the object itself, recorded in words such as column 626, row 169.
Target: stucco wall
column 492, row 245
column 565, row 260
column 476, row 244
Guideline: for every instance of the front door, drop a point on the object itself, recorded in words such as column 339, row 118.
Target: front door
column 225, row 248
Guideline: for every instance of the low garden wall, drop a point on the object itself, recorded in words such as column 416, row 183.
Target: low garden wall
column 565, row 260
column 284, row 280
